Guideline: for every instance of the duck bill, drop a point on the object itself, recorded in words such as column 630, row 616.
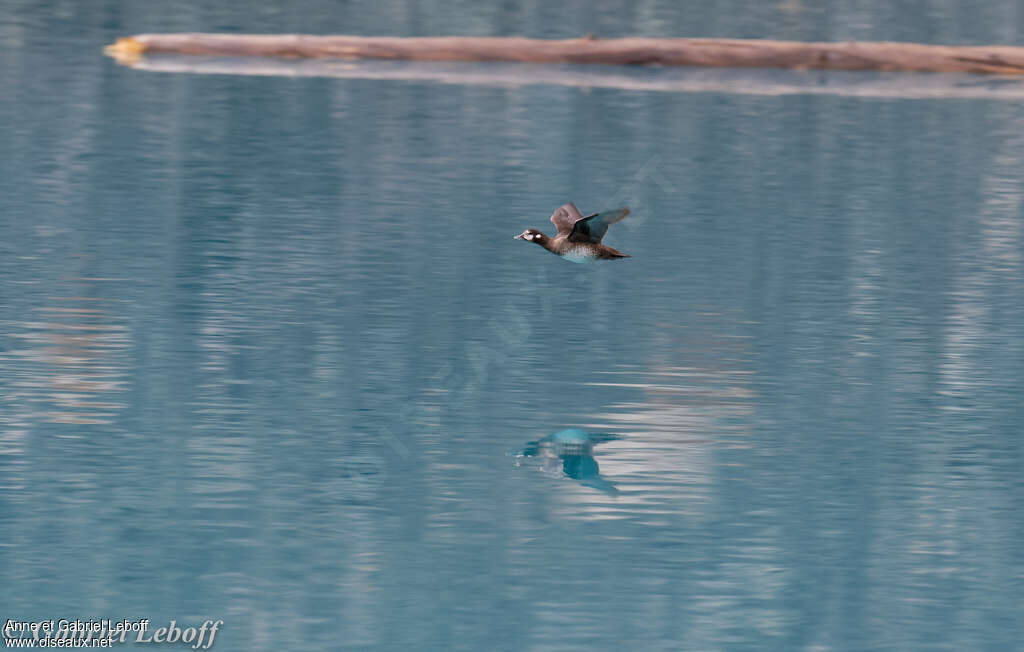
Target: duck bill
column 519, row 237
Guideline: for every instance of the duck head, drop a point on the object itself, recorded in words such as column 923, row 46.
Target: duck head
column 532, row 235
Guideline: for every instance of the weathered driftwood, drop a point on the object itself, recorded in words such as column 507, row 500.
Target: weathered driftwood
column 732, row 53
column 680, row 80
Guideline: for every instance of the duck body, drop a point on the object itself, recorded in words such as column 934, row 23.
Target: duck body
column 579, row 238
column 574, row 252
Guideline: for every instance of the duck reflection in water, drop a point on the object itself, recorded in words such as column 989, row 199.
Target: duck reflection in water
column 570, row 452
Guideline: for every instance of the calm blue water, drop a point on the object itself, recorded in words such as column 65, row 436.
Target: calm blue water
column 268, row 349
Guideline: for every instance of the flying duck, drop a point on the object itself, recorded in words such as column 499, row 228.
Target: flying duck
column 570, row 452
column 578, row 238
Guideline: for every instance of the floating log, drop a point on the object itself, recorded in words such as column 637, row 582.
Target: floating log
column 677, row 80
column 727, row 53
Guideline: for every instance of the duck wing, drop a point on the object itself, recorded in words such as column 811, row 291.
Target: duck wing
column 565, row 217
column 593, row 227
